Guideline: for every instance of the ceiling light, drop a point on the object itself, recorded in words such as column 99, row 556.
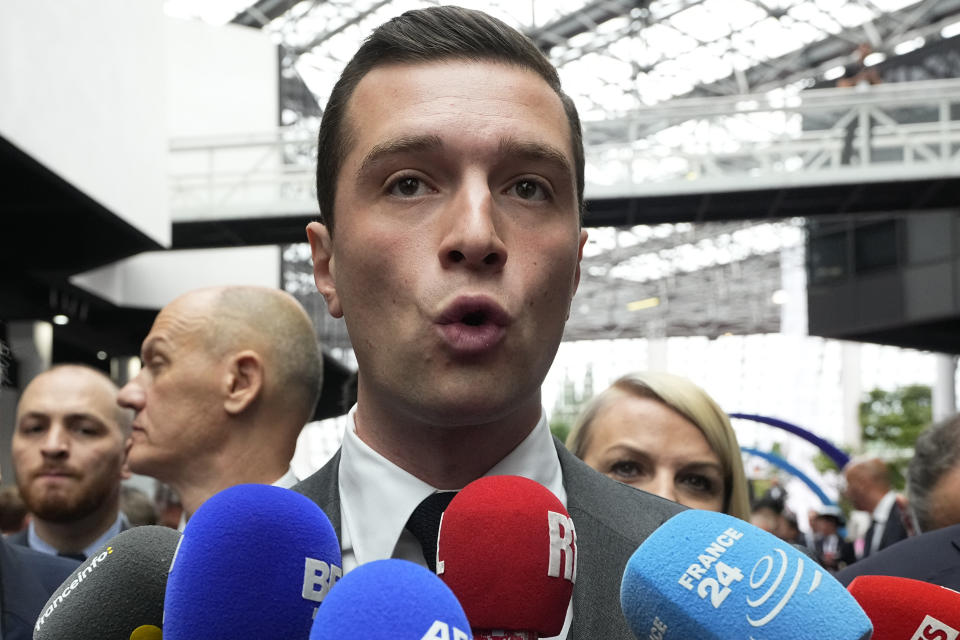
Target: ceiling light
column 60, row 319
column 646, row 303
column 101, row 355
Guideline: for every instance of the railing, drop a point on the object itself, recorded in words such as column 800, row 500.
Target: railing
column 879, row 133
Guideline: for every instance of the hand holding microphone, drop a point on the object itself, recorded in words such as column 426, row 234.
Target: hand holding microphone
column 507, row 549
column 711, row 576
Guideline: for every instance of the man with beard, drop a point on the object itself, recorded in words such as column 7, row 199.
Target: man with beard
column 69, row 450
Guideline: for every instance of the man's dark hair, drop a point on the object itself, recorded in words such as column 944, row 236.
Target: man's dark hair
column 936, row 452
column 429, row 35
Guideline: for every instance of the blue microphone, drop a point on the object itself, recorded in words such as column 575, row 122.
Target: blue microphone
column 255, row 562
column 711, row 576
column 391, row 600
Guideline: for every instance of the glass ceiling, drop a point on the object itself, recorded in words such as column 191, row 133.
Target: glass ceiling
column 650, row 52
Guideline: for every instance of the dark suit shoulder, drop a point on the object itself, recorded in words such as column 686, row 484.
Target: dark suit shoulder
column 932, row 557
column 29, row 578
column 323, row 487
column 624, row 510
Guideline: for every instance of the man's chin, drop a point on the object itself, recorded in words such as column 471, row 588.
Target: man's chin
column 59, row 509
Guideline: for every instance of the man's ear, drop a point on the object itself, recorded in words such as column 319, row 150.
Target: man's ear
column 243, row 381
column 321, row 248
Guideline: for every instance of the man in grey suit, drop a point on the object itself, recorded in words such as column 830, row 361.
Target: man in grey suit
column 450, row 181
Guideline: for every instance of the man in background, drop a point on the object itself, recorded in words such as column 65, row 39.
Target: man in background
column 230, row 376
column 869, row 489
column 69, row 451
column 933, row 486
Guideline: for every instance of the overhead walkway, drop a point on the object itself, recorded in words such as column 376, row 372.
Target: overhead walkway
column 816, row 152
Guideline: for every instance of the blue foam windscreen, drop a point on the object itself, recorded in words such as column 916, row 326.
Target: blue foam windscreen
column 711, row 576
column 390, row 600
column 255, row 562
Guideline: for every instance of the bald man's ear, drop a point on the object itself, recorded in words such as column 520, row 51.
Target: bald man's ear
column 321, row 248
column 243, row 381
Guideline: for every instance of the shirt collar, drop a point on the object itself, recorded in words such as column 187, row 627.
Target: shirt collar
column 374, row 490
column 36, row 543
column 287, row 480
column 882, row 512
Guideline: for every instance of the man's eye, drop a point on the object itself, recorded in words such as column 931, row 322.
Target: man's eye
column 529, row 190
column 407, row 187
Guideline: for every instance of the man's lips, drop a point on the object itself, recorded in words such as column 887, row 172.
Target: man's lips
column 474, row 311
column 472, row 325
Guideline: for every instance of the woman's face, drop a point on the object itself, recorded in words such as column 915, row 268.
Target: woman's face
column 644, row 443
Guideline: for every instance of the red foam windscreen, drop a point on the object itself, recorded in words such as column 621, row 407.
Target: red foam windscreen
column 905, row 609
column 507, row 550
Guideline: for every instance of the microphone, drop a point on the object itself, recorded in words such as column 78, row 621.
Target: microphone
column 507, row 549
column 906, row 609
column 390, row 600
column 255, row 562
column 116, row 592
column 711, row 576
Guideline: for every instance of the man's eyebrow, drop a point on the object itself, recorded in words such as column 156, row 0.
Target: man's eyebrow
column 405, row 144
column 536, row 151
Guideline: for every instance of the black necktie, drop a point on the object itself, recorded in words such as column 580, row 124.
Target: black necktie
column 868, row 539
column 424, row 524
column 73, row 556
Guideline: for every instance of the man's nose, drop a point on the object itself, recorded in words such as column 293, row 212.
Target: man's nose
column 56, row 442
column 473, row 239
column 131, row 395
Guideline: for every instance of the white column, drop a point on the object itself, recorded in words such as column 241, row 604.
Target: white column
column 945, row 387
column 852, row 391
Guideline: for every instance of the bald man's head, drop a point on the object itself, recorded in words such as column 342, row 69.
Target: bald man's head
column 276, row 325
column 215, row 358
column 69, row 445
column 868, row 480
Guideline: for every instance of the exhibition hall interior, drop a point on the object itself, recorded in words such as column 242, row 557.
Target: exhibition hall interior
column 772, row 199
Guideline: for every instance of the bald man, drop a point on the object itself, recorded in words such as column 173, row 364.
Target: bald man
column 869, row 489
column 230, row 376
column 69, row 452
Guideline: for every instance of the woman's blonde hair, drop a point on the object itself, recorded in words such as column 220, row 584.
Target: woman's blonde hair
column 692, row 403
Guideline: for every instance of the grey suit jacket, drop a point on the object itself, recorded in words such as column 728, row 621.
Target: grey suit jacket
column 611, row 520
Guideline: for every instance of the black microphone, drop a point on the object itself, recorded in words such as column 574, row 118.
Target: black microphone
column 115, row 594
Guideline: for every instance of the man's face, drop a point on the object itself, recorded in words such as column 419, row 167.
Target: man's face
column 457, row 244
column 68, row 447
column 855, row 490
column 174, row 397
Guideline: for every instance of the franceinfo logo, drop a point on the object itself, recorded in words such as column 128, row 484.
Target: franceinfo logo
column 82, row 575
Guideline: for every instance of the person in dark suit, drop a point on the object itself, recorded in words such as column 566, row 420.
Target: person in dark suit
column 869, row 489
column 932, row 557
column 27, row 578
column 69, row 451
column 450, row 183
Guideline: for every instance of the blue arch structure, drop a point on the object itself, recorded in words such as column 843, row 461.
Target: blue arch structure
column 792, row 470
column 839, row 457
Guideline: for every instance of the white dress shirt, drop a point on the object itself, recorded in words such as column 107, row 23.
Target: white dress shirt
column 377, row 497
column 880, row 516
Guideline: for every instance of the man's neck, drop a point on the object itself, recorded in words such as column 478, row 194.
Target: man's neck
column 445, row 457
column 77, row 535
column 197, row 488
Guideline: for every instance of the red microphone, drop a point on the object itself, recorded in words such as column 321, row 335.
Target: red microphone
column 905, row 609
column 507, row 549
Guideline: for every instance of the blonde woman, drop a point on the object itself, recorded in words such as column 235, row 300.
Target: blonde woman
column 663, row 434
